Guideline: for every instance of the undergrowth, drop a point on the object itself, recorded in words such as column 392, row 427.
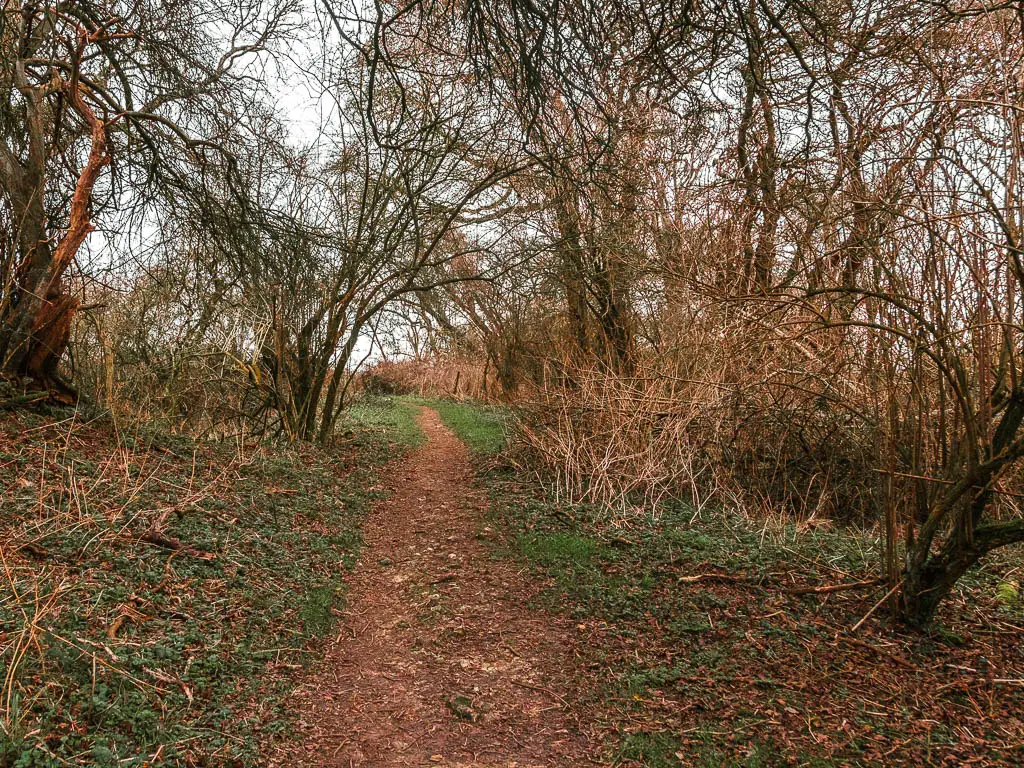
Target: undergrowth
column 714, row 650
column 160, row 596
column 703, row 643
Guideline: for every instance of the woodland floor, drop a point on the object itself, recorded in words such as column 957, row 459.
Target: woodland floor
column 160, row 596
column 406, row 599
column 699, row 638
column 441, row 658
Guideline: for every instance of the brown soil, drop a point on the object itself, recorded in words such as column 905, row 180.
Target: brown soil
column 441, row 659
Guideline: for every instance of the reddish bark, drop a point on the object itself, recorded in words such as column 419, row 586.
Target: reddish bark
column 53, row 315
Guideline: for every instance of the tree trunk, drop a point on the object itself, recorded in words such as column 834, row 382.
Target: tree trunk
column 51, row 332
column 927, row 581
column 925, row 588
column 37, row 319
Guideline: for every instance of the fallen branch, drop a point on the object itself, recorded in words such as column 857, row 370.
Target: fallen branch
column 20, row 401
column 861, row 644
column 160, row 539
column 874, row 608
column 710, row 577
column 541, row 689
column 828, row 589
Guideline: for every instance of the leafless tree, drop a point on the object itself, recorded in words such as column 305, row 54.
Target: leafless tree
column 104, row 104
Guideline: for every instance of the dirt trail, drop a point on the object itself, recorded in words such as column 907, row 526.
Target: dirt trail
column 440, row 660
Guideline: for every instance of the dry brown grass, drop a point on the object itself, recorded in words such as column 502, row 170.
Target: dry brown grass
column 111, row 503
column 437, row 377
column 733, row 412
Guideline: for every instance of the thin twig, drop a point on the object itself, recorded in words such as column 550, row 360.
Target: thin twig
column 875, row 607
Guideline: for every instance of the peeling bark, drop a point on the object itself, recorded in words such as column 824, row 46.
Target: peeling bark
column 38, row 322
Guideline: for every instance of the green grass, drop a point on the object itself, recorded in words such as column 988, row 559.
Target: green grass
column 481, row 427
column 657, row 750
column 391, row 418
column 558, row 548
column 139, row 650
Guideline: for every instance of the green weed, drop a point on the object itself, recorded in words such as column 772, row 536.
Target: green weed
column 769, row 668
column 558, row 549
column 652, row 750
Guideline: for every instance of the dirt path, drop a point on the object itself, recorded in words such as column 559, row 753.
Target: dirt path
column 440, row 660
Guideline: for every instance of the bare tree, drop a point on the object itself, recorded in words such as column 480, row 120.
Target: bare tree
column 101, row 104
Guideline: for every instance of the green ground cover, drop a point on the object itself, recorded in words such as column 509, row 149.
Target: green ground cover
column 160, row 597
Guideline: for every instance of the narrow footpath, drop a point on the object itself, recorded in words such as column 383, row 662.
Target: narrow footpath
column 440, row 659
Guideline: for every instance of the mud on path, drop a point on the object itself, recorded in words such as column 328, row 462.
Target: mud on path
column 439, row 660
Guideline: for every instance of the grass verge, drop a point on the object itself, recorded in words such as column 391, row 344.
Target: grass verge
column 714, row 650
column 384, row 417
column 159, row 597
column 481, row 427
